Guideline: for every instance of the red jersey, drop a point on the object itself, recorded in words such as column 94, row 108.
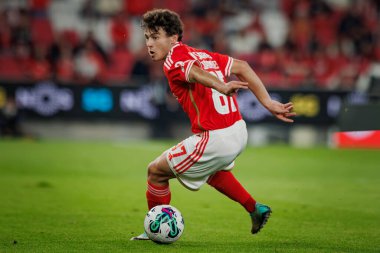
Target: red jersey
column 207, row 108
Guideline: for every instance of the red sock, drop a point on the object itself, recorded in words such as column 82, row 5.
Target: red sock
column 226, row 183
column 157, row 195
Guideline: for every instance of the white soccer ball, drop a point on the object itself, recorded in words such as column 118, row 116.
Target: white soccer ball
column 164, row 224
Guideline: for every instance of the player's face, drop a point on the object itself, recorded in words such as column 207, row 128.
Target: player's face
column 159, row 44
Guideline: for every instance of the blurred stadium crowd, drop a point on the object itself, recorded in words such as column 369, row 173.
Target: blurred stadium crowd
column 323, row 44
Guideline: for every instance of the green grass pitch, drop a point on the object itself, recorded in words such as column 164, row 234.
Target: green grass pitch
column 60, row 196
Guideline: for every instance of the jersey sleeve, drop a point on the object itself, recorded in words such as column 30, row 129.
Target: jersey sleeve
column 178, row 64
column 224, row 62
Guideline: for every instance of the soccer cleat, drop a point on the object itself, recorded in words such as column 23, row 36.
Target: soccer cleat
column 259, row 217
column 141, row 237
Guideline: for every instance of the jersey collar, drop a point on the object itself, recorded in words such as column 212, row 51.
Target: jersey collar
column 178, row 43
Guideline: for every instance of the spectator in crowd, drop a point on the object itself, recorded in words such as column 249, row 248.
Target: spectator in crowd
column 16, row 63
column 62, row 56
column 40, row 67
column 65, row 68
column 90, row 61
column 141, row 68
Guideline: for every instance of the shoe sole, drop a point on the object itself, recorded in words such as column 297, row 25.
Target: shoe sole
column 266, row 217
column 139, row 239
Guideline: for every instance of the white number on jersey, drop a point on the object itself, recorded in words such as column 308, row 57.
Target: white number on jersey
column 220, row 100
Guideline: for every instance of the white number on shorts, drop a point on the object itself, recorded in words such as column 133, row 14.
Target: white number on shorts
column 220, row 100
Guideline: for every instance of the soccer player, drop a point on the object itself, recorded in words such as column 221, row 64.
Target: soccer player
column 198, row 79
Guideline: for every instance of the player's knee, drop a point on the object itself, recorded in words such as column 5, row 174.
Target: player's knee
column 152, row 168
column 156, row 174
column 153, row 172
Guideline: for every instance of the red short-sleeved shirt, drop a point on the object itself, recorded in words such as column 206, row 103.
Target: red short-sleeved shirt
column 207, row 108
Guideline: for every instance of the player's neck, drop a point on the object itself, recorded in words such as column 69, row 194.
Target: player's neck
column 171, row 48
column 174, row 45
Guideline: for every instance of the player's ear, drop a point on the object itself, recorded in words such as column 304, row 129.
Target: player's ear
column 174, row 39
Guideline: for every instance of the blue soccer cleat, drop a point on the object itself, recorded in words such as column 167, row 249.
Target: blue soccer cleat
column 259, row 217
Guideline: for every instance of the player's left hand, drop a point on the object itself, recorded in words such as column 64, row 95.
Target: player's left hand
column 281, row 111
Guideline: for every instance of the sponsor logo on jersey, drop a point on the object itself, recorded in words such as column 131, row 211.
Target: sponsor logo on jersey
column 209, row 65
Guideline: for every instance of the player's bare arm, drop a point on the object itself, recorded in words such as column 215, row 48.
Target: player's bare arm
column 245, row 73
column 203, row 77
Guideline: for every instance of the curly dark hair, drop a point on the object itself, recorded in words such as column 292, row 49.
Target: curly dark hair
column 168, row 20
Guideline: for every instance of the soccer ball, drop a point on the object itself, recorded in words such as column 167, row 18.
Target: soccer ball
column 164, row 224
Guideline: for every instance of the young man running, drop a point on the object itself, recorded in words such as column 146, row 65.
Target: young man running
column 198, row 79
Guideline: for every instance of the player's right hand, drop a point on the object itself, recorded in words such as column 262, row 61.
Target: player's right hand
column 232, row 87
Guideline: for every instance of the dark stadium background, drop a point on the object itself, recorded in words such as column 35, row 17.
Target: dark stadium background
column 80, row 70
